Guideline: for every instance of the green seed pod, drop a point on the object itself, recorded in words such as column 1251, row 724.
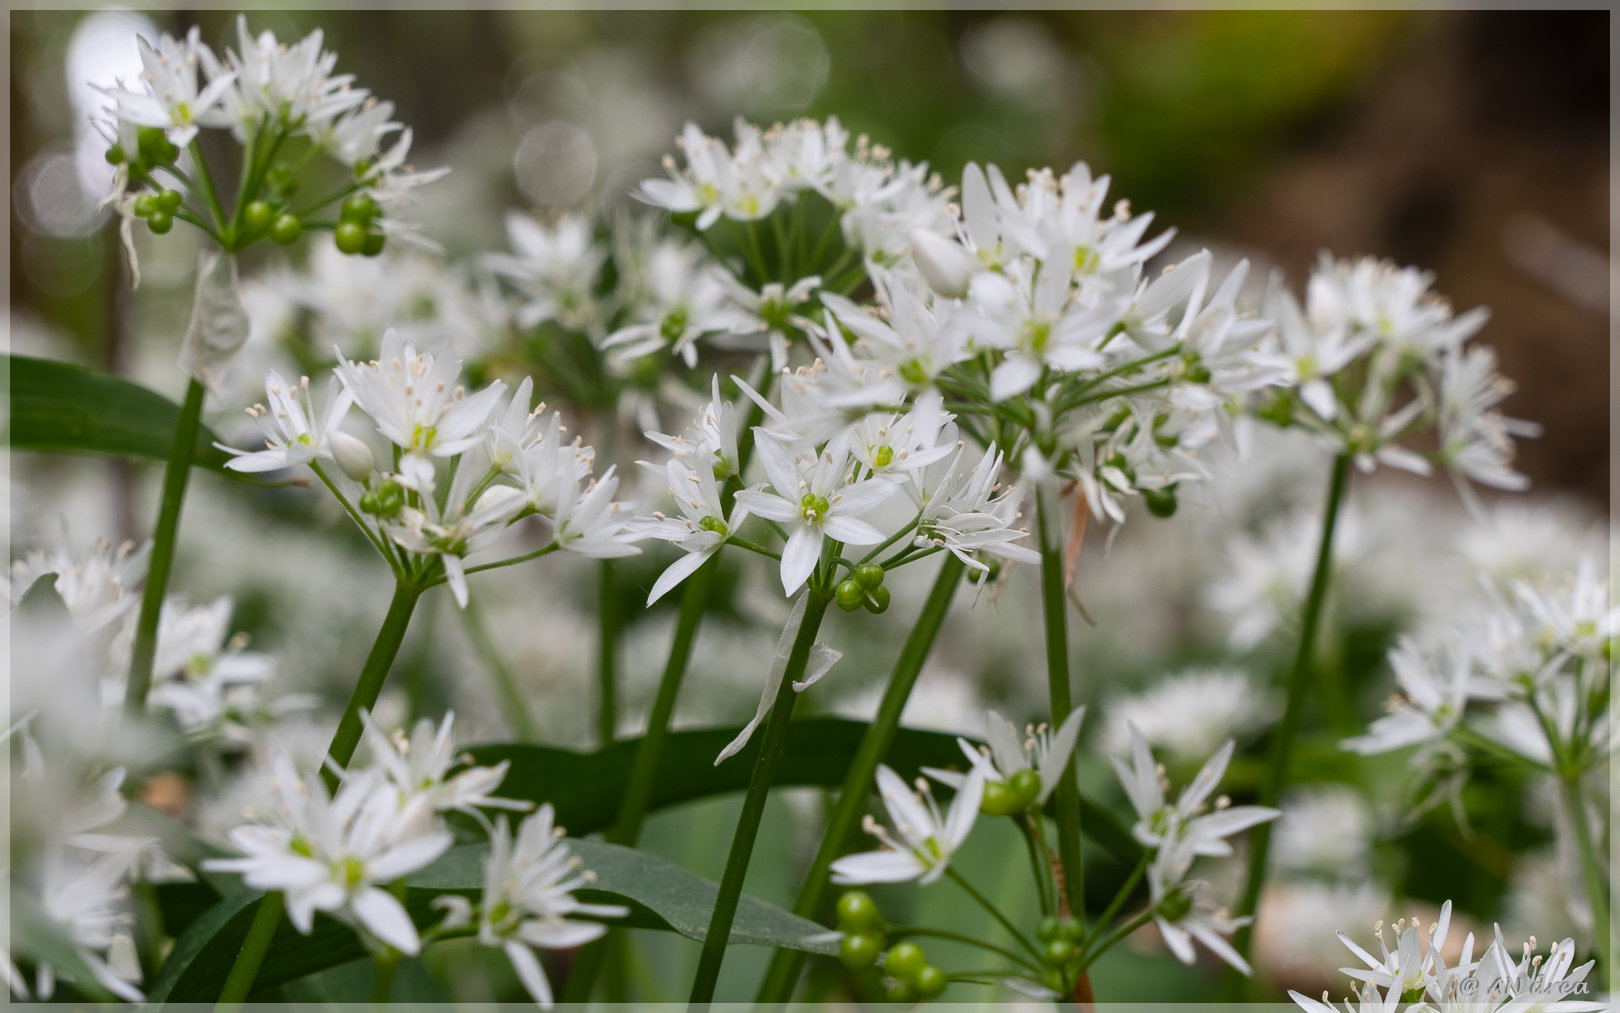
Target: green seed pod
column 350, row 237
column 1049, row 929
column 154, row 146
column 850, row 595
column 905, row 960
column 374, row 244
column 169, row 200
column 999, row 799
column 1025, row 785
column 385, row 500
column 1058, row 952
column 931, row 982
column 116, row 155
column 857, row 910
column 1069, row 926
column 1160, row 502
column 902, row 991
column 869, row 575
column 160, row 222
column 359, row 208
column 286, row 229
column 877, row 600
column 146, row 205
column 258, row 216
column 858, row 951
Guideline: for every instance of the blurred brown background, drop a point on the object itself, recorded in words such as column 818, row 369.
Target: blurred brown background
column 1473, row 144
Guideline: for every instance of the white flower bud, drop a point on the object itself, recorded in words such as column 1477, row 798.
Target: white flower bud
column 946, row 265
column 352, row 455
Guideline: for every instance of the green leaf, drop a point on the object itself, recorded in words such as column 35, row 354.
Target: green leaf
column 62, row 408
column 585, row 788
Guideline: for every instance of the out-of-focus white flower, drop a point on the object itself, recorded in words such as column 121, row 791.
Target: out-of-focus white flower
column 1189, row 714
column 1435, row 686
column 1326, row 830
column 201, row 670
column 420, row 766
column 1040, row 750
column 555, row 267
column 926, row 839
column 98, row 587
column 171, row 97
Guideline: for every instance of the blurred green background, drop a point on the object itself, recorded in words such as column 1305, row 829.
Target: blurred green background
column 1474, row 144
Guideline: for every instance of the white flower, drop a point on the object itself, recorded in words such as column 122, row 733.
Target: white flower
column 97, row 588
column 967, row 510
column 1436, row 686
column 199, row 666
column 1185, row 824
column 916, row 340
column 947, row 266
column 893, row 444
column 1027, row 312
column 686, row 298
column 420, row 765
column 290, row 86
column 295, row 432
column 171, row 98
column 555, row 266
column 589, row 522
column 88, row 901
column 528, row 900
column 702, row 528
column 460, row 528
column 772, row 311
column 416, row 399
column 926, row 840
column 1313, row 354
column 1410, row 964
column 1368, row 1000
column 1040, row 749
column 817, row 499
column 1390, row 302
column 1183, row 913
column 336, row 854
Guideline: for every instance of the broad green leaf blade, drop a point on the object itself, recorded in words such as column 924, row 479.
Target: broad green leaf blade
column 201, row 958
column 63, row 408
column 585, row 787
column 659, row 893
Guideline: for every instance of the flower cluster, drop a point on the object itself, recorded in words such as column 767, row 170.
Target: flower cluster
column 346, row 853
column 1416, row 973
column 265, row 94
column 460, row 470
column 1374, row 358
column 1528, row 673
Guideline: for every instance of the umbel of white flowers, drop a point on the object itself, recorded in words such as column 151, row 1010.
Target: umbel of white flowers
column 463, row 469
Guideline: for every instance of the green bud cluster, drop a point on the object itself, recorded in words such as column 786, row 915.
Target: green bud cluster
column 864, row 932
column 914, row 977
column 158, row 208
column 863, row 589
column 385, row 500
column 1060, row 943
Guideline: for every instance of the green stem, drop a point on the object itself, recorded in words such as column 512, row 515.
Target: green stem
column 1054, row 602
column 905, row 931
column 1287, row 730
column 852, row 796
column 1597, row 891
column 239, row 983
column 994, row 911
column 369, row 686
column 626, row 830
column 1108, row 941
column 175, row 473
column 607, row 614
column 772, row 742
column 517, row 709
column 1038, row 865
column 382, row 977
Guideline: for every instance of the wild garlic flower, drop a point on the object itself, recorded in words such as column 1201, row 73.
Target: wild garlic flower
column 1436, row 685
column 702, row 528
column 685, row 298
column 202, row 672
column 416, row 399
column 338, row 853
column 97, row 585
column 1006, row 754
column 555, row 268
column 1188, row 823
column 1182, row 910
column 968, row 510
column 528, row 902
column 462, row 527
column 420, row 765
column 265, row 95
column 296, row 432
column 1189, row 714
column 817, row 497
column 926, row 838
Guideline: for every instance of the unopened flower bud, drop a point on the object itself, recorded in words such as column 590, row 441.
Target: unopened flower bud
column 947, row 266
column 352, row 455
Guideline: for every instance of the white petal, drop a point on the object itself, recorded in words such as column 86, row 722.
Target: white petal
column 384, row 917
